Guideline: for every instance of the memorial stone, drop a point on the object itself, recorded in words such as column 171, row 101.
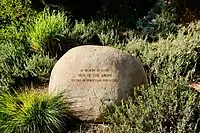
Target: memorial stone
column 94, row 77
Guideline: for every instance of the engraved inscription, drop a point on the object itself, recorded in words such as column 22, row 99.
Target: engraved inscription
column 94, row 75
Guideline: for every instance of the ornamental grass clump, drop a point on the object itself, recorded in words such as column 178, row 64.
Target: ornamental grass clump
column 47, row 31
column 32, row 112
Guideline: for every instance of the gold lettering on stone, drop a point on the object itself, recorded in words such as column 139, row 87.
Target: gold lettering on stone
column 106, row 75
column 94, row 75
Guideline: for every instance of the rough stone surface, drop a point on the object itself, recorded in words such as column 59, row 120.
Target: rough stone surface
column 94, row 77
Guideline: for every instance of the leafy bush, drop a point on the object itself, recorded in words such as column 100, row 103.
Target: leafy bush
column 15, row 11
column 32, row 112
column 168, row 107
column 48, row 30
column 160, row 22
column 39, row 66
column 17, row 62
column 106, row 32
column 12, row 56
column 173, row 57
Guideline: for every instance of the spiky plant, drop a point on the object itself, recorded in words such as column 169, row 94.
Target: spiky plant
column 32, row 112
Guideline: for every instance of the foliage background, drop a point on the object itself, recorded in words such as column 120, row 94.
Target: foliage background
column 164, row 35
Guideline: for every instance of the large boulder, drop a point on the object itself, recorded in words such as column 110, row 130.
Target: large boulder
column 94, row 77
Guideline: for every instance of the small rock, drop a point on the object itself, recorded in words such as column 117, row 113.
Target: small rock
column 94, row 77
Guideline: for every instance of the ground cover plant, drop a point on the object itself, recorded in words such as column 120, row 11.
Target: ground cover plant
column 31, row 41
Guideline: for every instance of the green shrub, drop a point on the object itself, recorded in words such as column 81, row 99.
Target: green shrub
column 105, row 30
column 166, row 108
column 32, row 112
column 169, row 105
column 160, row 22
column 12, row 58
column 39, row 66
column 15, row 11
column 173, row 57
column 17, row 62
column 48, row 30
